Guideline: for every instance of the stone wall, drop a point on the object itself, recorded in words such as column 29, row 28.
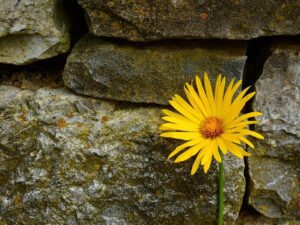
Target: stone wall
column 80, row 110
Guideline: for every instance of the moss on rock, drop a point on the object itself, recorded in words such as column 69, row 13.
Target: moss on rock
column 149, row 73
column 105, row 164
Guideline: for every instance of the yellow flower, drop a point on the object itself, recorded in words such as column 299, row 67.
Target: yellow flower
column 209, row 122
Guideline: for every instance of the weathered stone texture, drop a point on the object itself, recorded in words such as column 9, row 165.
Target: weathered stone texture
column 32, row 30
column 255, row 218
column 149, row 73
column 167, row 19
column 274, row 166
column 66, row 159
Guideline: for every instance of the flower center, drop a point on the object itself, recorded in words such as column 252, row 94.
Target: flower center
column 212, row 127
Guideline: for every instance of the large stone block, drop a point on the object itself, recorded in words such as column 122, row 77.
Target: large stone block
column 67, row 159
column 32, row 30
column 150, row 73
column 274, row 166
column 168, row 19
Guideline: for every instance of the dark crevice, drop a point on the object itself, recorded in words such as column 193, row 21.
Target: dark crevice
column 258, row 51
column 44, row 73
column 252, row 216
column 17, row 3
column 245, row 203
column 221, row 45
column 76, row 16
column 47, row 72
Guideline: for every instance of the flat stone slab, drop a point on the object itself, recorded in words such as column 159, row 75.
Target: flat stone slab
column 68, row 159
column 150, row 73
column 32, row 30
column 189, row 19
column 274, row 165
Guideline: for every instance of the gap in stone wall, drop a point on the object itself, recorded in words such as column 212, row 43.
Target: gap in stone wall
column 44, row 73
column 258, row 52
column 252, row 217
column 48, row 72
column 76, row 15
column 214, row 44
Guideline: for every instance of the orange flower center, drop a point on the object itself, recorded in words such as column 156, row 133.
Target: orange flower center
column 212, row 127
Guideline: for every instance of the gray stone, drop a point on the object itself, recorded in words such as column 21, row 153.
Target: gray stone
column 168, row 19
column 32, row 30
column 67, row 159
column 254, row 218
column 150, row 73
column 274, row 166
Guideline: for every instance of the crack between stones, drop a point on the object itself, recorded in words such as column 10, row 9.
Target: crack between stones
column 76, row 16
column 47, row 72
column 258, row 51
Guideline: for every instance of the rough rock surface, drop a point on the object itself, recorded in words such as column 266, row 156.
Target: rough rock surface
column 274, row 166
column 255, row 218
column 67, row 159
column 166, row 19
column 32, row 30
column 150, row 73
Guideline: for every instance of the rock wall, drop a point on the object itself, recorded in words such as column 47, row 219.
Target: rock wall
column 277, row 194
column 32, row 30
column 79, row 140
column 149, row 73
column 168, row 19
column 66, row 158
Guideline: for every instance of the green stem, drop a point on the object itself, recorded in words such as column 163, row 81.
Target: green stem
column 221, row 193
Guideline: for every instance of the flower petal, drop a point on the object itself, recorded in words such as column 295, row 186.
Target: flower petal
column 242, row 124
column 188, row 107
column 207, row 164
column 192, row 100
column 183, row 146
column 252, row 133
column 219, row 93
column 215, row 151
column 181, row 135
column 221, row 145
column 208, row 153
column 246, row 141
column 232, row 148
column 179, row 127
column 241, row 95
column 203, row 96
column 191, row 152
column 184, row 112
column 196, row 97
column 209, row 94
column 231, row 137
column 197, row 161
column 235, row 109
column 247, row 116
column 178, row 120
column 236, row 149
column 226, row 100
column 177, row 116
